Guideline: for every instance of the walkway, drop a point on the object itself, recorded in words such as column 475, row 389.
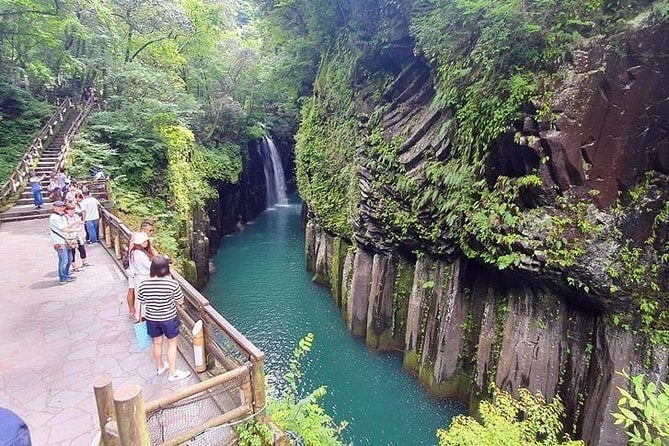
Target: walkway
column 57, row 340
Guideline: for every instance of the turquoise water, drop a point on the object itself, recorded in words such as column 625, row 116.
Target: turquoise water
column 260, row 285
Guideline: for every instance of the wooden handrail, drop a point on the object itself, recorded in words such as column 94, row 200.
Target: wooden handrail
column 16, row 179
column 194, row 297
column 168, row 400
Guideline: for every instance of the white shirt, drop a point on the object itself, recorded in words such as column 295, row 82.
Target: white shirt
column 90, row 206
column 57, row 223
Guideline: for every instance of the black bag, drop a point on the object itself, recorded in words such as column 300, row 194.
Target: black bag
column 125, row 261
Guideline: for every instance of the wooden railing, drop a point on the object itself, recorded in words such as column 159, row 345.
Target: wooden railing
column 76, row 125
column 13, row 185
column 223, row 342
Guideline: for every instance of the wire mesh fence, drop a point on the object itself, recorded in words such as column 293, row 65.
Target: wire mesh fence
column 179, row 418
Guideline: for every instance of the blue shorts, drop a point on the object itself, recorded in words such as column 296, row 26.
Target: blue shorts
column 168, row 328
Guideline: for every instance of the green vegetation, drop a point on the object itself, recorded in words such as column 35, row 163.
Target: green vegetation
column 643, row 413
column 21, row 117
column 300, row 413
column 529, row 420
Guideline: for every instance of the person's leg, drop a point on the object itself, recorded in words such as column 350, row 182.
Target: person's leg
column 63, row 263
column 157, row 352
column 90, row 228
column 130, row 298
column 82, row 253
column 39, row 199
column 171, row 330
column 96, row 228
column 172, row 354
column 73, row 259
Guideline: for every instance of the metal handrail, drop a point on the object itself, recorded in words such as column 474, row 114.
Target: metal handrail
column 12, row 185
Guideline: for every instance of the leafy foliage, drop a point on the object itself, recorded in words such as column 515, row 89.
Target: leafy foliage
column 529, row 420
column 643, row 412
column 301, row 414
column 21, row 118
column 254, row 433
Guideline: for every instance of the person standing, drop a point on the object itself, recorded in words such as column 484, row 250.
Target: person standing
column 36, row 188
column 57, row 227
column 91, row 215
column 76, row 226
column 63, row 182
column 140, row 257
column 146, row 228
column 161, row 295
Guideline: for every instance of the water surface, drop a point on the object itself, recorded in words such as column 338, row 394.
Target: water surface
column 260, row 285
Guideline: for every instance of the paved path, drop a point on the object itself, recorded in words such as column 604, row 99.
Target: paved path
column 55, row 340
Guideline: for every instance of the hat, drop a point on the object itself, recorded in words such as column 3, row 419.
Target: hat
column 140, row 237
column 58, row 203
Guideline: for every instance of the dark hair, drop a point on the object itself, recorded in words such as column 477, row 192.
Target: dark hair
column 146, row 224
column 160, row 267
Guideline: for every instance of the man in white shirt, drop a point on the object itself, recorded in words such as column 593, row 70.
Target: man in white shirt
column 57, row 225
column 91, row 216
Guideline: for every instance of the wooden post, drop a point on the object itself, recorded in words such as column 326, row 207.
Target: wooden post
column 117, row 245
column 104, row 400
column 258, row 384
column 130, row 416
column 107, row 234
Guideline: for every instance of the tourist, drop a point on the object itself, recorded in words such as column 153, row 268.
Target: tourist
column 140, row 256
column 13, row 430
column 36, row 188
column 55, row 193
column 147, row 228
column 160, row 294
column 99, row 173
column 78, row 232
column 91, row 215
column 57, row 227
column 63, row 181
column 72, row 192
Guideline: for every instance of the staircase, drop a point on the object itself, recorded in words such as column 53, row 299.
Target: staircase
column 50, row 160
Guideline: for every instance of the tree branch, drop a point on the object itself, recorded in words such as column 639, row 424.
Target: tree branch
column 150, row 42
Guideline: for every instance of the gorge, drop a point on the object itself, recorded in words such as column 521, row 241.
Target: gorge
column 533, row 255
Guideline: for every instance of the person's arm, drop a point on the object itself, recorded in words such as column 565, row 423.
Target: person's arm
column 140, row 293
column 178, row 295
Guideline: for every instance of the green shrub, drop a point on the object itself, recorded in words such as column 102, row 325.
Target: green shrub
column 527, row 421
column 643, row 412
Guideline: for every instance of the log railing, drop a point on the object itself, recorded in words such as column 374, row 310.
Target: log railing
column 13, row 185
column 76, row 125
column 223, row 342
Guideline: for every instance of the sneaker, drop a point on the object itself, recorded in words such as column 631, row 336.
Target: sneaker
column 178, row 375
column 163, row 369
column 86, row 264
column 62, row 282
column 71, row 279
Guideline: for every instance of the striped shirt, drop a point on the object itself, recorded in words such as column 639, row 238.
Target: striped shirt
column 160, row 296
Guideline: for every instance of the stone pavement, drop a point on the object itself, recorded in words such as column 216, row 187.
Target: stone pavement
column 56, row 340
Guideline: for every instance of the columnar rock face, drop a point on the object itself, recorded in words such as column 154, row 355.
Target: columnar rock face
column 546, row 277
column 464, row 327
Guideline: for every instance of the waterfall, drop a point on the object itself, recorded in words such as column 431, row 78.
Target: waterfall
column 275, row 183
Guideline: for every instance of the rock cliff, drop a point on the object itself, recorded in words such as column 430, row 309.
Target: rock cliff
column 545, row 266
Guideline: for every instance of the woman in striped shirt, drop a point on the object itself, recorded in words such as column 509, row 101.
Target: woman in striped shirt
column 160, row 295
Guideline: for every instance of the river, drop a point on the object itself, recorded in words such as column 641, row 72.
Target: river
column 260, row 285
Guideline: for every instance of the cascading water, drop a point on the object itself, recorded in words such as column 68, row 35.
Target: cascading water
column 275, row 182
